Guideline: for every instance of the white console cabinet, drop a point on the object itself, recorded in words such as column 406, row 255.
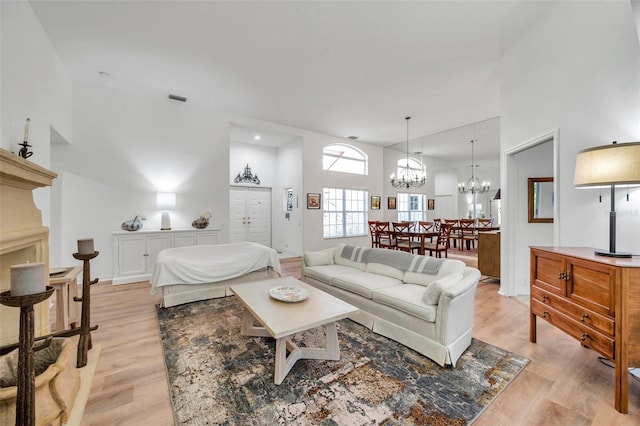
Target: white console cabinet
column 135, row 253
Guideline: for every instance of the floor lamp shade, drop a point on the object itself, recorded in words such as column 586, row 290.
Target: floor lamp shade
column 165, row 201
column 609, row 165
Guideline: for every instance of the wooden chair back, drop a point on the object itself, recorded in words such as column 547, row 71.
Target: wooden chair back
column 373, row 233
column 401, row 231
column 426, row 226
column 485, row 223
column 385, row 236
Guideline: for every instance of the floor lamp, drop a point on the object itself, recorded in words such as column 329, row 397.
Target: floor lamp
column 608, row 166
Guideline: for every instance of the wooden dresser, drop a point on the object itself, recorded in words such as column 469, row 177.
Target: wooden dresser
column 594, row 299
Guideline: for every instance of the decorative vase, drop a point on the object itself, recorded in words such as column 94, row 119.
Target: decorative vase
column 200, row 223
column 132, row 225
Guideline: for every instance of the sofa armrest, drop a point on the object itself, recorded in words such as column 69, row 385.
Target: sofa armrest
column 455, row 307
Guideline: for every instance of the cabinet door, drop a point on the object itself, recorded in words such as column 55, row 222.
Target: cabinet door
column 210, row 238
column 155, row 244
column 131, row 255
column 184, row 239
column 592, row 284
column 547, row 271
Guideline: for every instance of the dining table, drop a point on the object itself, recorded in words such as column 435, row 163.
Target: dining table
column 421, row 236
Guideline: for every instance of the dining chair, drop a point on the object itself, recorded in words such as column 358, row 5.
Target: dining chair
column 427, row 227
column 385, row 236
column 455, row 223
column 442, row 243
column 467, row 233
column 404, row 242
column 372, row 232
column 484, row 223
column 437, row 223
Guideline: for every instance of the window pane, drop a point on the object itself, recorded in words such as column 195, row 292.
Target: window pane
column 345, row 213
column 411, row 207
column 344, row 158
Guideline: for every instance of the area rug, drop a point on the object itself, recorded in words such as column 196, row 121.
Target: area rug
column 218, row 376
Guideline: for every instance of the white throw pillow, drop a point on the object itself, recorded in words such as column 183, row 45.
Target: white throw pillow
column 319, row 258
column 432, row 293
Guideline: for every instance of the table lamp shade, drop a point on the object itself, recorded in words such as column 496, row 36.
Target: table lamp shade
column 166, row 200
column 609, row 165
column 615, row 164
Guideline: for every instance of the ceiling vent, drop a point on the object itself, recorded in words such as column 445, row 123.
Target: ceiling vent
column 177, row 98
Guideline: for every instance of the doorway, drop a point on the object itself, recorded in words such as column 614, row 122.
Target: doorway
column 250, row 215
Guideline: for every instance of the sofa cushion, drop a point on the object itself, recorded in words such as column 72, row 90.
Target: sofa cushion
column 318, row 258
column 387, row 271
column 363, row 283
column 432, row 293
column 407, row 298
column 450, row 266
column 339, row 260
column 325, row 273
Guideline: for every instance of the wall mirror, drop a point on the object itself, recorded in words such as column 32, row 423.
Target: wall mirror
column 541, row 200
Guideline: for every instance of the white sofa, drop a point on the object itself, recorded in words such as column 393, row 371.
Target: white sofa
column 423, row 302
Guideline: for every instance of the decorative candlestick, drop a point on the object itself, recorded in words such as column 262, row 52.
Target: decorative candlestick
column 84, row 343
column 26, row 401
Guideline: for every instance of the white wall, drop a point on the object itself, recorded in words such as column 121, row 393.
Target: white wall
column 262, row 161
column 315, row 179
column 533, row 162
column 126, row 148
column 34, row 84
column 288, row 233
column 578, row 71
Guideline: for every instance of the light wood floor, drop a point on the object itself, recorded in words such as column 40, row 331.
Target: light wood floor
column 564, row 384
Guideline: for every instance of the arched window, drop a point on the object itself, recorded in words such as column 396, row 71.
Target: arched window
column 411, row 169
column 344, row 158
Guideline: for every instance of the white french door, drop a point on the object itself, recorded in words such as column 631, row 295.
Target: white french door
column 250, row 214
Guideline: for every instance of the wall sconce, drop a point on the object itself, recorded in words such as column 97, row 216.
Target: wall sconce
column 165, row 201
column 609, row 165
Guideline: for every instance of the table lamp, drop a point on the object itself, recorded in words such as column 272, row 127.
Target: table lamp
column 165, row 201
column 609, row 165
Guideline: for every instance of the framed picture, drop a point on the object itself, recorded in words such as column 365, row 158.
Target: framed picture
column 431, row 204
column 391, row 203
column 313, row 201
column 375, row 202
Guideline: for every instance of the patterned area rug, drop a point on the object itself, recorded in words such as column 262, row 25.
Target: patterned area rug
column 217, row 376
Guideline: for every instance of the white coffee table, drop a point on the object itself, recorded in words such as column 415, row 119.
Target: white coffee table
column 281, row 320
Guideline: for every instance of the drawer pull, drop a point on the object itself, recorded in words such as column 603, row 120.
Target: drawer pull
column 545, row 314
column 544, row 298
column 561, row 276
column 584, row 316
column 584, row 336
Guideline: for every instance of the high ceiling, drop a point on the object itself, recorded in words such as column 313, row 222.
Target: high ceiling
column 339, row 68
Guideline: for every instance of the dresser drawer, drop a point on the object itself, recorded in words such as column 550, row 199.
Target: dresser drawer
column 588, row 336
column 579, row 313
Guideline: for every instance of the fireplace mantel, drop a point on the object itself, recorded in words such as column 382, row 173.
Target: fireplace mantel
column 23, row 238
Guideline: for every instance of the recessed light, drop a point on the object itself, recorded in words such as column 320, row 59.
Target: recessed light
column 104, row 74
column 353, row 137
column 257, row 137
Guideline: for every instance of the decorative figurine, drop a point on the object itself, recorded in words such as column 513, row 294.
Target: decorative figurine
column 133, row 224
column 203, row 221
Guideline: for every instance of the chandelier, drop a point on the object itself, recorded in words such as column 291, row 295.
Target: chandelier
column 473, row 185
column 247, row 177
column 410, row 178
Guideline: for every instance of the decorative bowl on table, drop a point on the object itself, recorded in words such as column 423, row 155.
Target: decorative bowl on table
column 288, row 293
